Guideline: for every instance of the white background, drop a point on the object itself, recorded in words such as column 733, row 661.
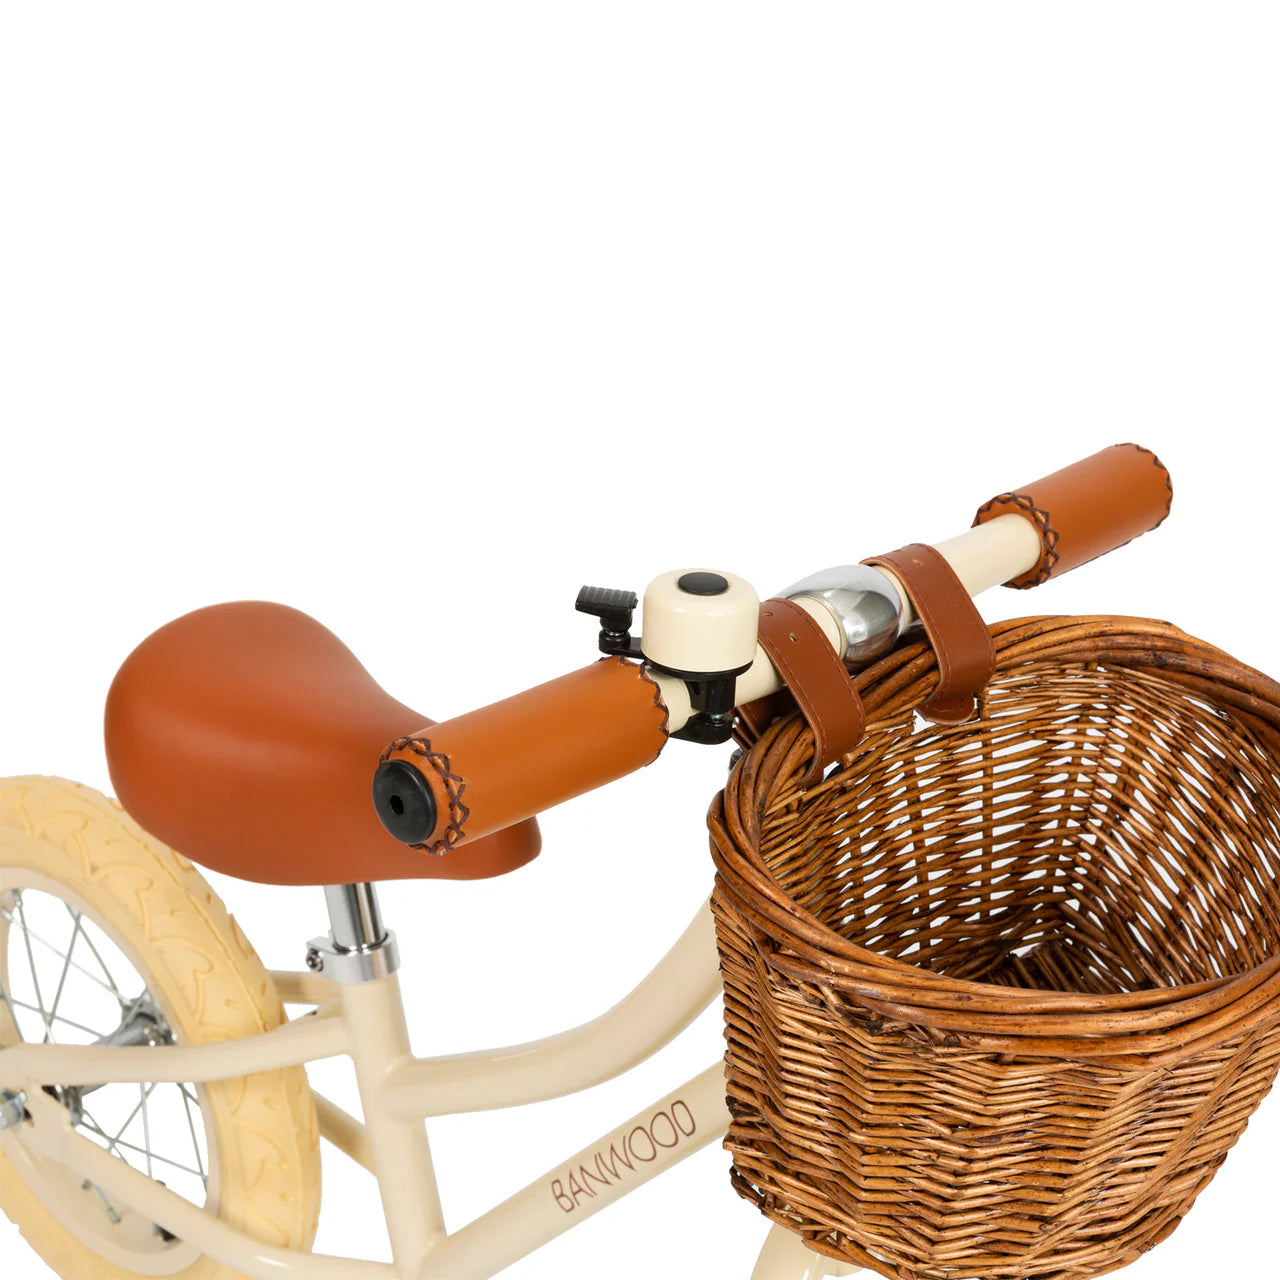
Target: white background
column 419, row 316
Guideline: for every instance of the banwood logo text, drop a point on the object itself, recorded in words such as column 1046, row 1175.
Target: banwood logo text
column 638, row 1147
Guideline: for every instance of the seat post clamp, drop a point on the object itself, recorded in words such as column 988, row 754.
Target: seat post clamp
column 359, row 948
column 360, row 964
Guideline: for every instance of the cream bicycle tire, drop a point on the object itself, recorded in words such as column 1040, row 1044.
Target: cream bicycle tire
column 211, row 986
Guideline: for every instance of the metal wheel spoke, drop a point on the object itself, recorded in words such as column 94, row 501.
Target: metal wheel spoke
column 8, row 999
column 146, row 1129
column 112, row 1213
column 31, row 937
column 76, row 933
column 54, row 1017
column 111, row 982
column 113, row 1144
column 35, row 977
column 145, row 1091
column 191, row 1124
column 117, row 1144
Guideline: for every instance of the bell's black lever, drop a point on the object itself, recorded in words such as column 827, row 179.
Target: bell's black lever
column 615, row 608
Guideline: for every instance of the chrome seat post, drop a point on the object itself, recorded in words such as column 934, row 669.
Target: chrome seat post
column 354, row 916
column 359, row 948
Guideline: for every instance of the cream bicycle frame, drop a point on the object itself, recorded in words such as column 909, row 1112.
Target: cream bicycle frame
column 365, row 1021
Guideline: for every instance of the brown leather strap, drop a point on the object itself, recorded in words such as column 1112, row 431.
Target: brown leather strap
column 816, row 678
column 960, row 639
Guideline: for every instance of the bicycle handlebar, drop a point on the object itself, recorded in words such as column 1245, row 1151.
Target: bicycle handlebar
column 1087, row 509
column 490, row 768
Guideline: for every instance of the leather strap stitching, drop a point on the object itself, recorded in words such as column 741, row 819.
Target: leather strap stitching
column 453, row 785
column 665, row 727
column 1024, row 503
column 1168, row 482
column 1049, row 536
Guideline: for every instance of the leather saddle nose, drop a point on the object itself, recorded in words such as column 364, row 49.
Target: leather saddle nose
column 247, row 736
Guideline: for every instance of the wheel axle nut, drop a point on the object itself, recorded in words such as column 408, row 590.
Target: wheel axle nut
column 13, row 1108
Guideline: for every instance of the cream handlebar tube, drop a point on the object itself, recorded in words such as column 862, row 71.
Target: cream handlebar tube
column 983, row 557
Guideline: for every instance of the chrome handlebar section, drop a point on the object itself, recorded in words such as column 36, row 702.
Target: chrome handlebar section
column 865, row 604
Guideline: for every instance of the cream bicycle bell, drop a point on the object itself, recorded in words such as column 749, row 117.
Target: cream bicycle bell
column 699, row 625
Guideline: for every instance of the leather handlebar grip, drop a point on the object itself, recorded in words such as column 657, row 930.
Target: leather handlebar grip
column 494, row 767
column 1087, row 509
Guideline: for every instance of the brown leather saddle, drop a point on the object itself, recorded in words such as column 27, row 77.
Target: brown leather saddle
column 246, row 736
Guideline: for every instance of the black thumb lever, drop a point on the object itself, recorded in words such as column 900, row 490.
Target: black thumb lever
column 615, row 609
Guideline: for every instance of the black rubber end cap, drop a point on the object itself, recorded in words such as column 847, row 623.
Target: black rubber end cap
column 404, row 802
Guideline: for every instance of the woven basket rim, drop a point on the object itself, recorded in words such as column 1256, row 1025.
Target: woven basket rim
column 1153, row 1021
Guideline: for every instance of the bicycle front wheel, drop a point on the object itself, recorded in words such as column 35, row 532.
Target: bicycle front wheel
column 108, row 936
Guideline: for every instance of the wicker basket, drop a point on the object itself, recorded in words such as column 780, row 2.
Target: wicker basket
column 1001, row 997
